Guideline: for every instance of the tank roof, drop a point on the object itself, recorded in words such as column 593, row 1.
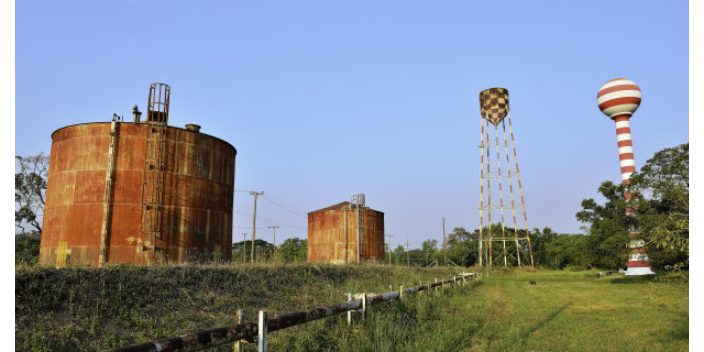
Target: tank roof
column 142, row 123
column 340, row 206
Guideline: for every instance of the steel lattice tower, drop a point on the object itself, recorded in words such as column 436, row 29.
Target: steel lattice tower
column 515, row 245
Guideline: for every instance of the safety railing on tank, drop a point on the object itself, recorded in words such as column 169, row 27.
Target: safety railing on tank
column 249, row 330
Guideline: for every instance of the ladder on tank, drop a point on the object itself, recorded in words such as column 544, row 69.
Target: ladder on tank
column 154, row 166
column 358, row 202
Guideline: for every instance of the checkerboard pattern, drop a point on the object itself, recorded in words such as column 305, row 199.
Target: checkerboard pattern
column 494, row 104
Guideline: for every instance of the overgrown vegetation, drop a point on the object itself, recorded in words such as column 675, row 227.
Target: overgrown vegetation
column 89, row 309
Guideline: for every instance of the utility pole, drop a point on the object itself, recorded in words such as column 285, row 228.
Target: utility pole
column 389, row 236
column 408, row 258
column 244, row 247
column 274, row 228
column 444, row 243
column 254, row 219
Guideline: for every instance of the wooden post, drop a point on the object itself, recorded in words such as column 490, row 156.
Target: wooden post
column 436, row 288
column 427, row 289
column 391, row 288
column 349, row 312
column 408, row 258
column 364, row 306
column 400, row 292
column 240, row 320
column 261, row 331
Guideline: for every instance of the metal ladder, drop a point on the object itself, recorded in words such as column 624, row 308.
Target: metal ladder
column 153, row 178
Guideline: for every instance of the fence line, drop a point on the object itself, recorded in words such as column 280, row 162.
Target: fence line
column 248, row 330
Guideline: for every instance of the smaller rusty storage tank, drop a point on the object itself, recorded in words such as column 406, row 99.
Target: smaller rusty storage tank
column 137, row 193
column 332, row 234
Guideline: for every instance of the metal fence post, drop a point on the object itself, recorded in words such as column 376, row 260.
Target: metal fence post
column 261, row 331
column 364, row 306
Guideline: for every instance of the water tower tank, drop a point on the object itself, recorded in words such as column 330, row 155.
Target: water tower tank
column 333, row 235
column 108, row 202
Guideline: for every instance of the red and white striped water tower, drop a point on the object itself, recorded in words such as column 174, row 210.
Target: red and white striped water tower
column 618, row 99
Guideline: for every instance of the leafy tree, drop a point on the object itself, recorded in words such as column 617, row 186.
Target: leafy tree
column 30, row 190
column 293, row 250
column 608, row 232
column 661, row 200
column 663, row 206
column 242, row 251
column 399, row 255
column 463, row 246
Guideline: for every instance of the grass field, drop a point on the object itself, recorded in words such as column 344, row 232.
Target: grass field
column 575, row 311
column 88, row 309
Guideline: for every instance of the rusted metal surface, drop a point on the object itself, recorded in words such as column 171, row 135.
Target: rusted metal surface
column 198, row 197
column 211, row 338
column 494, row 104
column 332, row 235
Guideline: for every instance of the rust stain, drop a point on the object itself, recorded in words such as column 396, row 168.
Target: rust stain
column 198, row 197
column 328, row 241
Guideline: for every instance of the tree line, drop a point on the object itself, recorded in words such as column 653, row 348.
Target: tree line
column 660, row 200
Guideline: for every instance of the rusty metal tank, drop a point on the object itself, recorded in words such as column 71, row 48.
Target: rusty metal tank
column 195, row 207
column 332, row 234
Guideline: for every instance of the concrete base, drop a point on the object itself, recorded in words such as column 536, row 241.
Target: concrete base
column 633, row 271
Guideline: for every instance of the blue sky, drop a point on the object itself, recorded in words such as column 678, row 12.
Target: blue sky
column 327, row 99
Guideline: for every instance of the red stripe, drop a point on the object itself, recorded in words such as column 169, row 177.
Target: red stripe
column 626, row 182
column 622, row 118
column 638, row 264
column 625, row 156
column 619, row 101
column 638, row 250
column 617, row 88
column 623, row 130
column 625, row 143
column 627, row 169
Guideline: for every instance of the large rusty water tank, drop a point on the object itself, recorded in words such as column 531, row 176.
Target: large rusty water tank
column 332, row 234
column 196, row 200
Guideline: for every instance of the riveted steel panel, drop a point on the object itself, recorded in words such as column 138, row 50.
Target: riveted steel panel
column 329, row 241
column 198, row 196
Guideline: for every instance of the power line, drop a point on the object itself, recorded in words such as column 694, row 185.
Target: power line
column 285, row 207
column 287, row 204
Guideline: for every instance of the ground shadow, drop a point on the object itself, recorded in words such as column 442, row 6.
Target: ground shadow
column 633, row 279
column 545, row 321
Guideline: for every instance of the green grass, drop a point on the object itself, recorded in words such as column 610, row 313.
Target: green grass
column 88, row 309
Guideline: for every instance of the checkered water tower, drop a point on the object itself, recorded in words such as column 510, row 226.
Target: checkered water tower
column 618, row 99
column 515, row 248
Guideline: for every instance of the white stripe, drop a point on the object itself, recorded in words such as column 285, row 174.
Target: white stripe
column 626, row 175
column 622, row 124
column 621, row 108
column 618, row 82
column 623, row 137
column 631, row 93
column 636, row 244
column 638, row 257
column 625, row 150
column 627, row 162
